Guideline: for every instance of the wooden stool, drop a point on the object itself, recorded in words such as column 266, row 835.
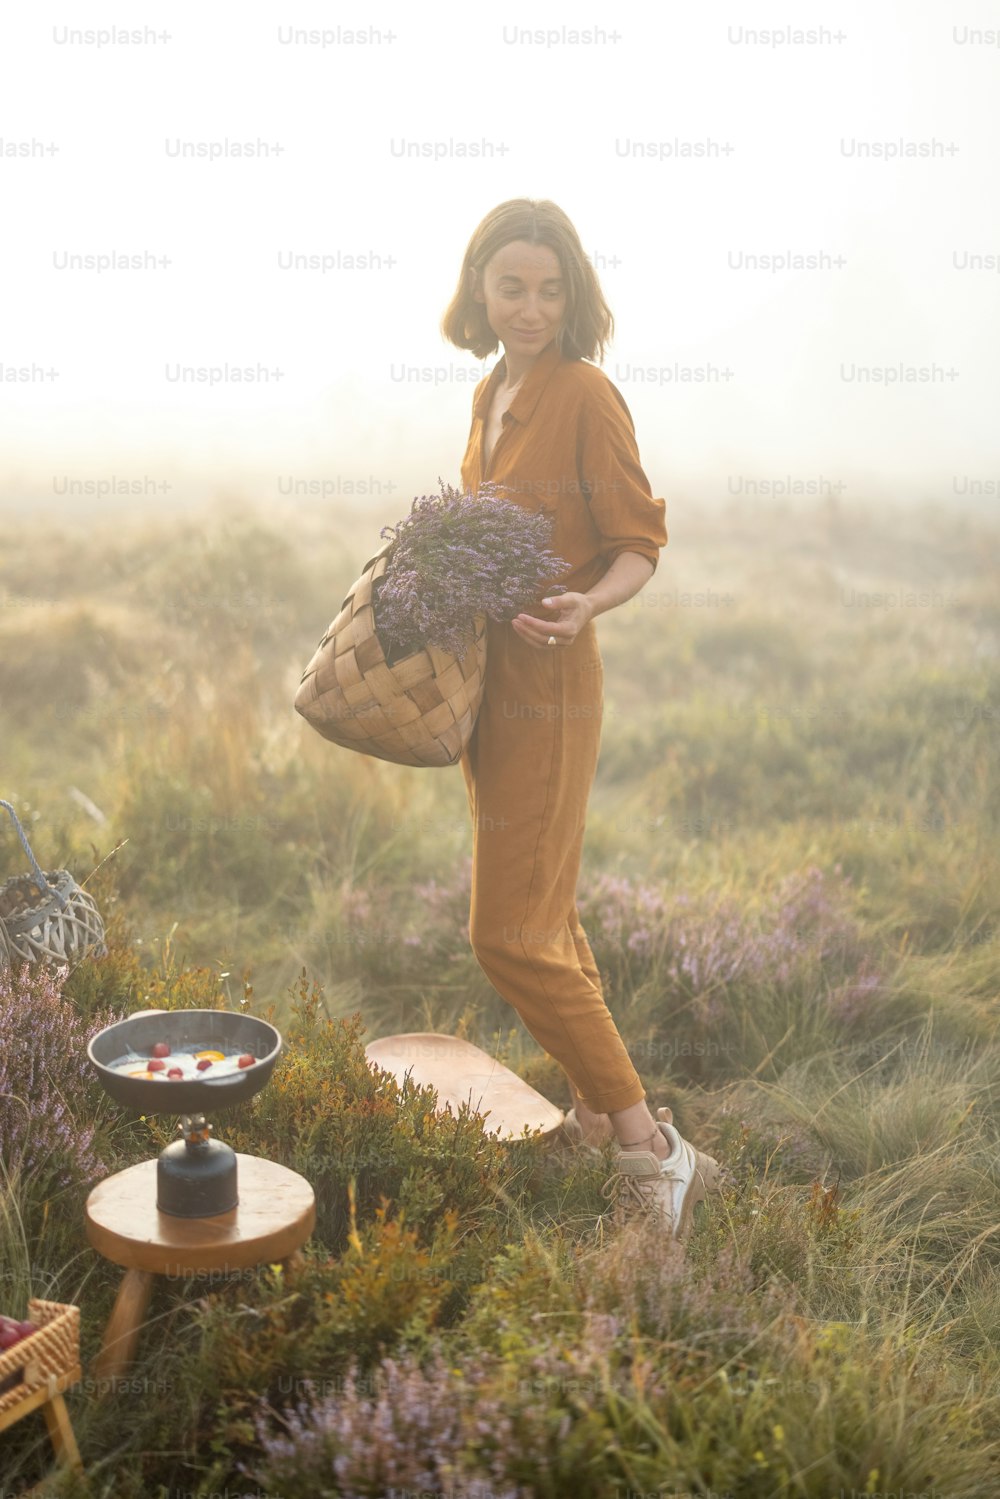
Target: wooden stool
column 275, row 1215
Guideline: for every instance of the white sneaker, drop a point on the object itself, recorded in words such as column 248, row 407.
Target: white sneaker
column 670, row 1189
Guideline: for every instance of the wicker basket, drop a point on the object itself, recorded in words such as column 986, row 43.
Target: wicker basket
column 46, row 917
column 417, row 711
column 52, row 1351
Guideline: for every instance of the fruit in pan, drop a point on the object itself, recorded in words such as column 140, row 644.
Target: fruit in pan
column 160, row 1049
column 185, row 1064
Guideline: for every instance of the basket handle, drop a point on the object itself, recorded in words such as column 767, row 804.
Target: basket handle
column 37, row 874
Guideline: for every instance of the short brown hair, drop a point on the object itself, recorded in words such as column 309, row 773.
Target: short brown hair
column 588, row 323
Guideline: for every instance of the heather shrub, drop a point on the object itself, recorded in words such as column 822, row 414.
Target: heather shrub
column 714, row 984
column 51, row 1104
column 482, row 1420
column 698, row 1308
column 282, row 1332
column 410, row 1433
column 331, row 1116
column 691, row 1379
column 443, row 933
column 706, row 1309
column 475, row 1428
column 705, row 949
column 528, row 1283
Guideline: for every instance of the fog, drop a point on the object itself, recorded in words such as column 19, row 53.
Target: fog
column 793, row 212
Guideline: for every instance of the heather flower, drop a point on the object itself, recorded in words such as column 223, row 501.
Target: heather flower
column 702, row 952
column 702, row 1313
column 484, row 1426
column 444, row 909
column 355, row 905
column 852, row 1000
column 417, row 1432
column 456, row 556
column 473, row 1426
column 44, row 1073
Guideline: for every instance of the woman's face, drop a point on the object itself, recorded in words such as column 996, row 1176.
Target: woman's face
column 524, row 292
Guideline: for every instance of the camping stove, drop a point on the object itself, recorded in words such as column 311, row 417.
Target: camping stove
column 196, row 1175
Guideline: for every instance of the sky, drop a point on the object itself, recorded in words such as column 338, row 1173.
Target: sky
column 693, row 147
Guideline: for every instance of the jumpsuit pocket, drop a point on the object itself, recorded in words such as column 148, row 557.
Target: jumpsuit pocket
column 588, row 678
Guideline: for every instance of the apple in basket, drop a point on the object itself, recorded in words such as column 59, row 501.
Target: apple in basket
column 13, row 1332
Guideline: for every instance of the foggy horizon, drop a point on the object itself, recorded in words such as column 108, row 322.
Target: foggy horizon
column 797, row 238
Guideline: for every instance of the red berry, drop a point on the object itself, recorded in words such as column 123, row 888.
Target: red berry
column 246, row 1060
column 205, row 1062
column 26, row 1329
column 8, row 1337
column 155, row 1064
column 175, row 1072
column 161, row 1049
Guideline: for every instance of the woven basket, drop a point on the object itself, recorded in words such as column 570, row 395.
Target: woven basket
column 46, row 917
column 417, row 711
column 53, row 1350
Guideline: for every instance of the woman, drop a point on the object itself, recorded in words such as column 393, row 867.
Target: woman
column 552, row 429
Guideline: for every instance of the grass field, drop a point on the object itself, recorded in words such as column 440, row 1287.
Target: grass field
column 792, row 888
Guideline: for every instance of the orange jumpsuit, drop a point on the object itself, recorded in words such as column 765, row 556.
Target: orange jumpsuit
column 568, row 447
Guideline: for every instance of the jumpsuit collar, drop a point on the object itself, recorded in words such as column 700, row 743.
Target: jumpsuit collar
column 524, row 403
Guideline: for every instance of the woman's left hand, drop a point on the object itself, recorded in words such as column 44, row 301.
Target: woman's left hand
column 574, row 610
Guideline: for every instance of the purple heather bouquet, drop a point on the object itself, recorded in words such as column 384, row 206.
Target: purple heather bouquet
column 456, row 556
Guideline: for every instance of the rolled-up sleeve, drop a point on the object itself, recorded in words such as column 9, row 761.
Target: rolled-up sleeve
column 613, row 481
